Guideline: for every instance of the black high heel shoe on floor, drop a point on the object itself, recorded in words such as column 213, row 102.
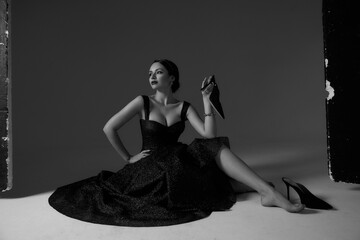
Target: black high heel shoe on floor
column 306, row 197
column 215, row 96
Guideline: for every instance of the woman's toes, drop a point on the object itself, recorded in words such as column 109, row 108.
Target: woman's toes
column 298, row 207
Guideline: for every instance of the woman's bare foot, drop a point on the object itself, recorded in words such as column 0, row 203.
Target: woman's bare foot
column 274, row 199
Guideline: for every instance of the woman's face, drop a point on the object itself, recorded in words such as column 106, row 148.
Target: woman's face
column 159, row 78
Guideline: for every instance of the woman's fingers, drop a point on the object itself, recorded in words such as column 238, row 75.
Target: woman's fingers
column 146, row 152
column 209, row 88
column 203, row 82
column 140, row 155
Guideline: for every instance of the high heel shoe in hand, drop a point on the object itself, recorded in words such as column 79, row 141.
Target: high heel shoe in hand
column 306, row 197
column 215, row 96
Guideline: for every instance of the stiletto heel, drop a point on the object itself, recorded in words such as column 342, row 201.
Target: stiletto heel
column 306, row 197
column 287, row 190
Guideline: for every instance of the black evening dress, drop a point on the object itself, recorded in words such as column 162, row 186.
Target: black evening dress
column 176, row 183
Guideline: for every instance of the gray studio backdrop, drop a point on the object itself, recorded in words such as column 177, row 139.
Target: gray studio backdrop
column 77, row 63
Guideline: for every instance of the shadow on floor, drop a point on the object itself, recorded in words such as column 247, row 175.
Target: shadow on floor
column 357, row 188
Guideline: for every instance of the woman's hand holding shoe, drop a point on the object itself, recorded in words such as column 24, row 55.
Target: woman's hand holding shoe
column 211, row 91
column 207, row 87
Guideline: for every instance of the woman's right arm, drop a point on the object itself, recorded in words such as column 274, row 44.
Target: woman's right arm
column 118, row 120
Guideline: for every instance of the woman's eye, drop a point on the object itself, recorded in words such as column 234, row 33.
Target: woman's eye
column 159, row 72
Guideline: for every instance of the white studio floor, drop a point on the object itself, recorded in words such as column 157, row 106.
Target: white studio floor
column 31, row 217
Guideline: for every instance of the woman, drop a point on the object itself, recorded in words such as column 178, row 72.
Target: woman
column 168, row 182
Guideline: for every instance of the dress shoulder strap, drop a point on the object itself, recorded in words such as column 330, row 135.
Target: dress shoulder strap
column 184, row 110
column 146, row 106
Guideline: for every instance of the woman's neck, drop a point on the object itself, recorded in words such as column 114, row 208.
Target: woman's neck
column 164, row 98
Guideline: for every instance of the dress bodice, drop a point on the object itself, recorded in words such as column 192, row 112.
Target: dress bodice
column 155, row 134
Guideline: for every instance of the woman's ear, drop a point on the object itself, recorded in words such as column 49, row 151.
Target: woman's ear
column 172, row 79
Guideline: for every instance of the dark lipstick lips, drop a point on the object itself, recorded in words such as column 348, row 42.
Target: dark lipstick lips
column 154, row 82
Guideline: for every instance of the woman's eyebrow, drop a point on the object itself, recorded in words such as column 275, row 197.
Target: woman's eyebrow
column 157, row 69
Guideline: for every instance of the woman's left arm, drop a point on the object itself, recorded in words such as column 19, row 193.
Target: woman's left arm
column 206, row 128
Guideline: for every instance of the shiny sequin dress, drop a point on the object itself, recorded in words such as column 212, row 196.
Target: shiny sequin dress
column 176, row 183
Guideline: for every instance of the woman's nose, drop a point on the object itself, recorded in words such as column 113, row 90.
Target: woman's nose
column 153, row 76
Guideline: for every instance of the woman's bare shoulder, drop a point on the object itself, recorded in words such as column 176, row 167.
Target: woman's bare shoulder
column 139, row 99
column 136, row 102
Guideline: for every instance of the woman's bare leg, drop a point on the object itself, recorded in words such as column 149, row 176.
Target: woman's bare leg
column 237, row 169
column 240, row 187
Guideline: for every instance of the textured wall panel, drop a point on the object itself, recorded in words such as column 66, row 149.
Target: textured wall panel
column 341, row 22
column 5, row 146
